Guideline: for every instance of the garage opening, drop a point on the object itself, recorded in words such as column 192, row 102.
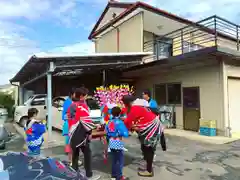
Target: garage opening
column 234, row 106
column 55, row 75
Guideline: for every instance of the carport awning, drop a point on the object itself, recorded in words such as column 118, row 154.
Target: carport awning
column 38, row 66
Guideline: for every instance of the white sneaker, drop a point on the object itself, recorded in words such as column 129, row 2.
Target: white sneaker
column 95, row 177
column 79, row 163
column 124, row 149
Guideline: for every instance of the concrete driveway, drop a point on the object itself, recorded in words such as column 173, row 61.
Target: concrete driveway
column 185, row 159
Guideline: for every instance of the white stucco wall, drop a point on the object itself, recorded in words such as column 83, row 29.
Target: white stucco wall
column 209, row 80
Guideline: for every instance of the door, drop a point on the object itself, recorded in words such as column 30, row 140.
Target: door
column 191, row 108
column 234, row 106
column 57, row 109
column 38, row 102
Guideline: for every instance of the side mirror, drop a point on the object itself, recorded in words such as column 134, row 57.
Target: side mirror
column 45, row 107
column 60, row 109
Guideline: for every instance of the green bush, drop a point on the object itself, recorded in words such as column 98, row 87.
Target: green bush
column 7, row 101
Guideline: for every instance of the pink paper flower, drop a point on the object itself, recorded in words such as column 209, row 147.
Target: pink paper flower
column 112, row 94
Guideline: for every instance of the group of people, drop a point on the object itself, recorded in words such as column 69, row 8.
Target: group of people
column 138, row 115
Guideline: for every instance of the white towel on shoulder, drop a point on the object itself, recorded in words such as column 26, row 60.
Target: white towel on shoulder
column 140, row 102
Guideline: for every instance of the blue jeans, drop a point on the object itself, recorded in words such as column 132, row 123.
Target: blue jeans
column 117, row 163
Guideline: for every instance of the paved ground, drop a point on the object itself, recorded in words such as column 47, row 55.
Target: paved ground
column 16, row 143
column 184, row 159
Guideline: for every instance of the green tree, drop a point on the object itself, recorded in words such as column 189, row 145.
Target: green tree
column 7, row 101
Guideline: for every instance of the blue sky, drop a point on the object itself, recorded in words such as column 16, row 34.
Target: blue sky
column 28, row 27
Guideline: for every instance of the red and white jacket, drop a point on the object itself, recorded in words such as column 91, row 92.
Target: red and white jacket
column 79, row 111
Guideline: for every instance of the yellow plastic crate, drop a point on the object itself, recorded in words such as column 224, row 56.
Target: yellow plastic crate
column 208, row 123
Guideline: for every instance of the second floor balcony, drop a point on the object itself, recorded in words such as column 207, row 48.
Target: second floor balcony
column 210, row 32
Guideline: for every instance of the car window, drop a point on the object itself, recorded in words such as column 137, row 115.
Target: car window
column 55, row 102
column 58, row 102
column 28, row 100
column 92, row 104
column 38, row 101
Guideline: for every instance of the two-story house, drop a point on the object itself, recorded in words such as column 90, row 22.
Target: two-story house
column 194, row 66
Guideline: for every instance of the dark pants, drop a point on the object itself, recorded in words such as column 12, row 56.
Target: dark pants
column 117, row 163
column 142, row 148
column 87, row 159
column 148, row 154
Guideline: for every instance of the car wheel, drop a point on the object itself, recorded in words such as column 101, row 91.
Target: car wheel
column 23, row 121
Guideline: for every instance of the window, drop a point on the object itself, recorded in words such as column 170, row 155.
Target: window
column 174, row 93
column 61, row 102
column 38, row 101
column 28, row 100
column 92, row 104
column 163, row 48
column 168, row 93
column 160, row 93
column 58, row 102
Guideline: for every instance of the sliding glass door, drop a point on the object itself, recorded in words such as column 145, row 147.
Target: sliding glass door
column 162, row 47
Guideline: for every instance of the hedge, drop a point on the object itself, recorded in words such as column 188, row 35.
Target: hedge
column 8, row 102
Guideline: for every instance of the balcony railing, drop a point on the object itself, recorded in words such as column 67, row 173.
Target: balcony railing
column 212, row 31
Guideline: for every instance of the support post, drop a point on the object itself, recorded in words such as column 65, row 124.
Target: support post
column 49, row 99
column 237, row 38
column 49, row 107
column 182, row 42
column 215, row 29
column 20, row 95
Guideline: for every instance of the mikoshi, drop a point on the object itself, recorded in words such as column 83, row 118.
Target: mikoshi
column 107, row 98
column 111, row 96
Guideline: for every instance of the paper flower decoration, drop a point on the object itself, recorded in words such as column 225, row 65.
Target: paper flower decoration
column 112, row 94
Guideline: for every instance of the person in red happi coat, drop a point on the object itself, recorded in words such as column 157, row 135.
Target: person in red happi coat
column 149, row 128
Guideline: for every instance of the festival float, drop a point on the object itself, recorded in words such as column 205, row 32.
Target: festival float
column 107, row 98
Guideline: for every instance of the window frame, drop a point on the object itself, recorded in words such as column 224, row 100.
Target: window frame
column 166, row 89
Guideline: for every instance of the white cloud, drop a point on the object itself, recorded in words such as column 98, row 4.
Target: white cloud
column 197, row 10
column 78, row 48
column 30, row 9
column 82, row 47
column 14, row 50
column 19, row 8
